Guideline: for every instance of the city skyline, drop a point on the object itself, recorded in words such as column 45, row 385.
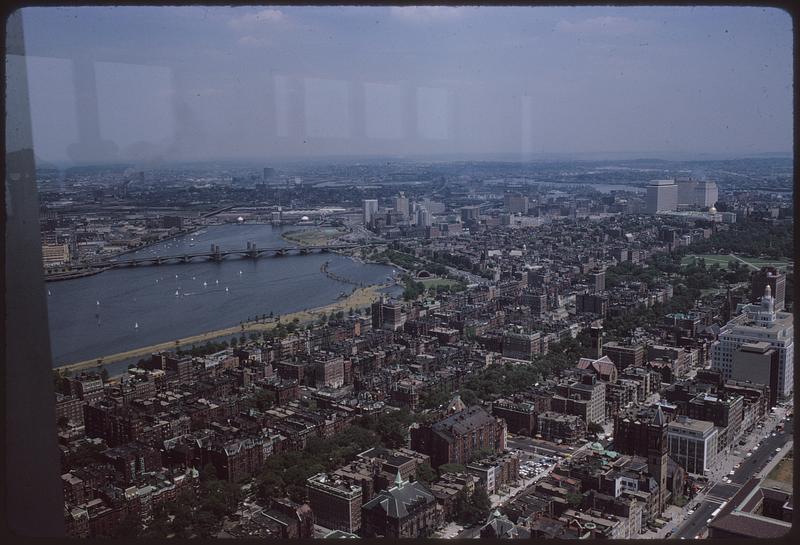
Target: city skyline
column 298, row 82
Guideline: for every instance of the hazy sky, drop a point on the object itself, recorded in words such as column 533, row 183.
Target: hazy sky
column 267, row 82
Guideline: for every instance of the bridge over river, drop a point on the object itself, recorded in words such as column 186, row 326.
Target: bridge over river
column 217, row 255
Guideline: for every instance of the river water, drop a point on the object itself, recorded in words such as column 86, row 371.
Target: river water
column 98, row 315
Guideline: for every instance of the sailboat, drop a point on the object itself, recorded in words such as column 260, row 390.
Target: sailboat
column 217, row 281
column 98, row 303
column 240, row 272
column 176, row 293
column 205, row 284
column 136, row 325
column 48, row 292
column 226, row 289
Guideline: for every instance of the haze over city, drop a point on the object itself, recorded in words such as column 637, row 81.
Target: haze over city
column 400, row 272
column 178, row 83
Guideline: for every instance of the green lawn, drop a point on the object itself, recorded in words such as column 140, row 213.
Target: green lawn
column 723, row 260
column 436, row 282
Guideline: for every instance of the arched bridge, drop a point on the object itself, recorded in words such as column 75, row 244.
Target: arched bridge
column 218, row 255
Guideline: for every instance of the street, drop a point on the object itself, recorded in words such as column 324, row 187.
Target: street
column 720, row 492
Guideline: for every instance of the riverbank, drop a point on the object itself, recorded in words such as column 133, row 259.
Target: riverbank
column 317, row 236
column 360, row 298
column 83, row 272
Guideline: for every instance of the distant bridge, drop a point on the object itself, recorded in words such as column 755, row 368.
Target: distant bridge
column 217, row 255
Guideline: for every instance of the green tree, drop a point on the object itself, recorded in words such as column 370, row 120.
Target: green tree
column 575, row 500
column 595, row 428
column 425, row 473
column 130, row 526
column 480, row 500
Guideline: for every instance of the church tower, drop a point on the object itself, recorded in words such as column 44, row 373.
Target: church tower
column 657, row 456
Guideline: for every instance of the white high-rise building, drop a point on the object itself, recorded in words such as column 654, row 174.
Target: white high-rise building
column 433, row 207
column 759, row 323
column 662, row 195
column 401, row 205
column 370, row 209
column 423, row 217
column 706, row 194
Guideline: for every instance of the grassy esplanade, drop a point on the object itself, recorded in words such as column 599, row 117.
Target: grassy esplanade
column 360, row 298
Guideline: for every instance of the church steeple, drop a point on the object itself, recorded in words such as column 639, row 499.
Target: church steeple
column 398, row 480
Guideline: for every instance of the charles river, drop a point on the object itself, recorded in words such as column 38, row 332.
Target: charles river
column 127, row 308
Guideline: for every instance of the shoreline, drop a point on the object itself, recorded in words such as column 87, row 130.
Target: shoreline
column 360, row 298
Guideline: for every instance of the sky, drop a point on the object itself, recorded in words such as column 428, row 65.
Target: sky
column 161, row 84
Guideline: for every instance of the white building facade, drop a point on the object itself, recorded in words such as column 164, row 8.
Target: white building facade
column 759, row 323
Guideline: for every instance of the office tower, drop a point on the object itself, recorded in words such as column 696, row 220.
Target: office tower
column 662, row 195
column 423, row 217
column 597, row 341
column 772, row 277
column 268, row 173
column 370, row 210
column 470, row 213
column 401, row 205
column 686, row 192
column 514, row 203
column 642, row 431
column 706, row 194
column 598, row 282
column 433, row 207
column 758, row 363
column 759, row 323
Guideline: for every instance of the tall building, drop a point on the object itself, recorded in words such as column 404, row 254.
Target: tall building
column 697, row 193
column 470, row 213
column 706, row 194
column 598, row 281
column 757, row 363
column 377, row 313
column 662, row 195
column 453, row 440
column 772, row 277
column 624, row 356
column 643, row 432
column 686, row 191
column 514, row 203
column 693, row 444
column 759, row 322
column 423, row 217
column 597, row 341
column 370, row 210
column 433, row 207
column 336, row 503
column 401, row 205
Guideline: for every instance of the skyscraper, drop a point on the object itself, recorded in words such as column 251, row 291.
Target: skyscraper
column 423, row 217
column 370, row 209
column 401, row 205
column 514, row 203
column 772, row 277
column 706, row 194
column 662, row 195
column 759, row 322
